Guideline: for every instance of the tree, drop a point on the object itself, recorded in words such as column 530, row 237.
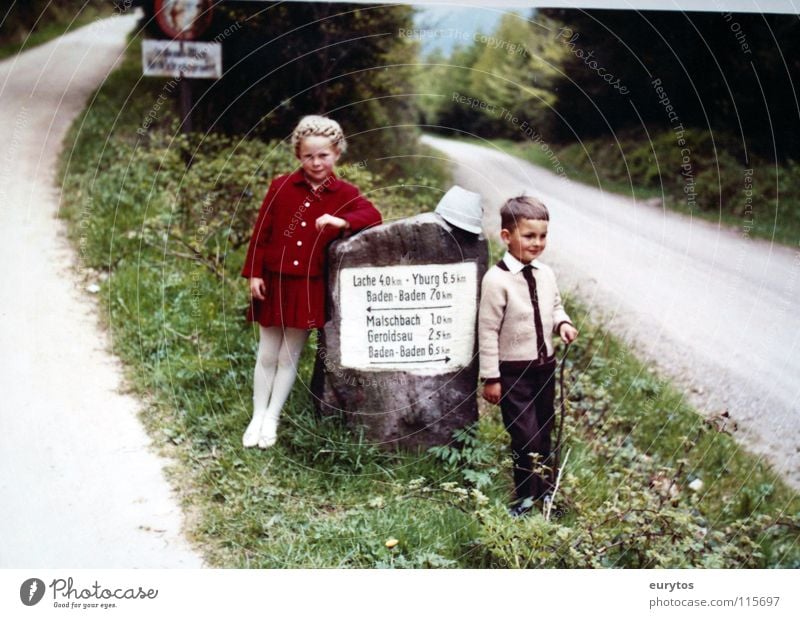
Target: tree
column 729, row 73
column 508, row 73
column 285, row 60
column 517, row 66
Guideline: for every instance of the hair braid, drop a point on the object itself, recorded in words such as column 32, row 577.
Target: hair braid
column 318, row 126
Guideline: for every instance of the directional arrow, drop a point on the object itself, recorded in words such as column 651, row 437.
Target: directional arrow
column 445, row 360
column 408, row 308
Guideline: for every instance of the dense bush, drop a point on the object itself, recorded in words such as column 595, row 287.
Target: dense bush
column 285, row 60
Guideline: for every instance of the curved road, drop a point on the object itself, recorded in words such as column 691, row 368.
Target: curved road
column 713, row 310
column 79, row 484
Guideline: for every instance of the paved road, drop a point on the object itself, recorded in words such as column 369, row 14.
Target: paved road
column 79, row 483
column 716, row 312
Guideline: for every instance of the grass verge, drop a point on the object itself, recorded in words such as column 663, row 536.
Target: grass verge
column 161, row 221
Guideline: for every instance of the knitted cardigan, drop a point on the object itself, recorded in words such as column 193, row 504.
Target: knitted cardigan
column 506, row 329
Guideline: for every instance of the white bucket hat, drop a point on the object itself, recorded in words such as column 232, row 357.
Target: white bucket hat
column 462, row 209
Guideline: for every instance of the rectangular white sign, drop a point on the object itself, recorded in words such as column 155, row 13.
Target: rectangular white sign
column 419, row 319
column 190, row 59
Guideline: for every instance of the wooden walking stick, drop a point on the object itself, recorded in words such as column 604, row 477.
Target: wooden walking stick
column 554, row 471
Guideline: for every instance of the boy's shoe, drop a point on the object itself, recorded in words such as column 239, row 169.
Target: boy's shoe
column 521, row 508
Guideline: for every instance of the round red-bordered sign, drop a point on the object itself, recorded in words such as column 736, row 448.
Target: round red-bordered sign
column 183, row 20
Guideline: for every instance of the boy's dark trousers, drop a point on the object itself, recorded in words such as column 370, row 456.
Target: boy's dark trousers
column 527, row 405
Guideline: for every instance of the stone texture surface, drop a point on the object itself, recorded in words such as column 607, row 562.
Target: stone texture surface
column 398, row 409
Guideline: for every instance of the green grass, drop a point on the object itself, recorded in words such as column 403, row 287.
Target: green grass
column 63, row 23
column 171, row 241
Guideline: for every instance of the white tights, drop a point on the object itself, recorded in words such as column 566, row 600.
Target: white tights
column 279, row 351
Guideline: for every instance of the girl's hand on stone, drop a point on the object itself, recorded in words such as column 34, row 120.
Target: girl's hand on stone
column 257, row 288
column 492, row 392
column 336, row 222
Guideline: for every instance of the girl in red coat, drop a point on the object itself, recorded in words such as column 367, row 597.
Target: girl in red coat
column 301, row 214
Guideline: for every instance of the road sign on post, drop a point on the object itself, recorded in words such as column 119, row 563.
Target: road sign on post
column 181, row 56
column 183, row 20
column 190, row 59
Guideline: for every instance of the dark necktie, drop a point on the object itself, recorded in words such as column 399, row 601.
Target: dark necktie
column 541, row 347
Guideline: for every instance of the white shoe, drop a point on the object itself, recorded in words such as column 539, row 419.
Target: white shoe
column 269, row 432
column 253, row 431
column 265, row 442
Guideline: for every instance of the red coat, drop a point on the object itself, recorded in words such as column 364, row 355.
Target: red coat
column 285, row 239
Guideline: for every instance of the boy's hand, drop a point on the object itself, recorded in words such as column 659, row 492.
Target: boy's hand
column 492, row 392
column 568, row 333
column 336, row 222
column 257, row 288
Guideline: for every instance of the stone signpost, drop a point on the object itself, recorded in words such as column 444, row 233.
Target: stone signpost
column 398, row 354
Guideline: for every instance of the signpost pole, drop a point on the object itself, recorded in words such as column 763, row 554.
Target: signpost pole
column 185, row 101
column 186, row 105
column 172, row 18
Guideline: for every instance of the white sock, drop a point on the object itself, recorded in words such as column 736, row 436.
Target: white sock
column 263, row 376
column 292, row 347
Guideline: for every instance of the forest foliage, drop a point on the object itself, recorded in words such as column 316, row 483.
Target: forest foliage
column 588, row 74
column 698, row 108
column 287, row 60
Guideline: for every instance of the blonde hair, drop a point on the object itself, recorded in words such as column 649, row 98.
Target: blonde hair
column 319, row 126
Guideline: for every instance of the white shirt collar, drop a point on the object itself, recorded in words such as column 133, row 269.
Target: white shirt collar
column 514, row 265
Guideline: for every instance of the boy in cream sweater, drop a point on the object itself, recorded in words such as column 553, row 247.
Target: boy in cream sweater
column 520, row 310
